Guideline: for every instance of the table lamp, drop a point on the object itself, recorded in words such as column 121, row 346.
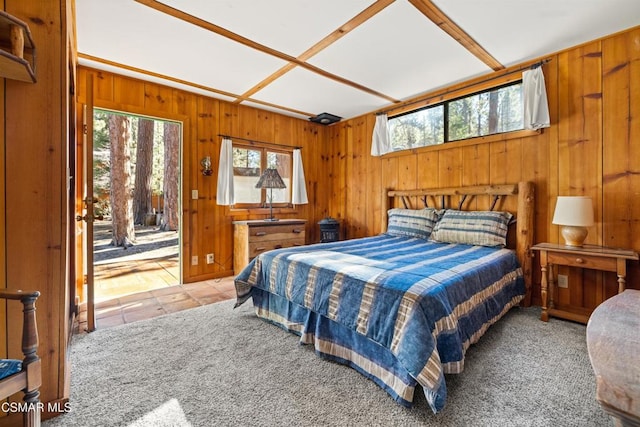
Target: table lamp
column 574, row 214
column 270, row 179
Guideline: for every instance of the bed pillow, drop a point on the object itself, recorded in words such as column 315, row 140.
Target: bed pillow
column 483, row 228
column 412, row 222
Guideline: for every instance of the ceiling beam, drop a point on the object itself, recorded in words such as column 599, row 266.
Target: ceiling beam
column 187, row 83
column 445, row 23
column 176, row 13
column 321, row 45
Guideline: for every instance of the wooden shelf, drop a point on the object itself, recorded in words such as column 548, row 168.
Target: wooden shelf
column 17, row 50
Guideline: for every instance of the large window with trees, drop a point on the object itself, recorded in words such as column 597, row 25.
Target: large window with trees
column 248, row 164
column 493, row 111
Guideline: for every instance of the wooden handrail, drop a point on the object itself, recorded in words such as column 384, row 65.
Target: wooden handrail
column 30, row 378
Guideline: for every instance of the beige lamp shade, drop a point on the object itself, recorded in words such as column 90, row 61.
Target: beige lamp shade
column 574, row 214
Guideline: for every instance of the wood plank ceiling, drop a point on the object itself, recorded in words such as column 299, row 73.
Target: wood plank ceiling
column 356, row 56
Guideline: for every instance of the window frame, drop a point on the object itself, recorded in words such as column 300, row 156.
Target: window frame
column 469, row 95
column 442, row 99
column 264, row 149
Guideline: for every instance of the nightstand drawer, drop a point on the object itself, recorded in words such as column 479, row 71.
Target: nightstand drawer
column 583, row 261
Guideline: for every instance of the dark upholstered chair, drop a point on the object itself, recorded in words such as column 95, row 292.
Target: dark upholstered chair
column 24, row 375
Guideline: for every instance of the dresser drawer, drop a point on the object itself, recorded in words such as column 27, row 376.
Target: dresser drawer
column 251, row 238
column 256, row 248
column 583, row 261
column 276, row 232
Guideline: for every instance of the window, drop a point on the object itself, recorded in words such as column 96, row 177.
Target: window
column 497, row 110
column 248, row 164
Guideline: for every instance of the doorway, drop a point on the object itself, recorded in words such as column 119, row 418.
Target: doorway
column 136, row 186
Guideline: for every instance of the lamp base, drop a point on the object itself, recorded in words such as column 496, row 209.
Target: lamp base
column 271, row 219
column 574, row 235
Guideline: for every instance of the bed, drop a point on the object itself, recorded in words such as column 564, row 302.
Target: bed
column 403, row 307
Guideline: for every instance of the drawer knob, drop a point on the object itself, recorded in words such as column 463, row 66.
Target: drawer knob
column 259, row 249
column 579, row 260
column 261, row 233
column 277, row 246
column 297, row 230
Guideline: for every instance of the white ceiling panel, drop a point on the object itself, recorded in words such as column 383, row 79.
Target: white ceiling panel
column 399, row 53
column 290, row 26
column 126, row 32
column 515, row 31
column 306, row 91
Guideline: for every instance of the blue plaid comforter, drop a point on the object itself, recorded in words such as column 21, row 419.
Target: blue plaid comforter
column 423, row 302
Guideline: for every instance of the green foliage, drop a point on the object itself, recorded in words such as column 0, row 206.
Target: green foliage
column 421, row 128
column 102, row 163
column 495, row 111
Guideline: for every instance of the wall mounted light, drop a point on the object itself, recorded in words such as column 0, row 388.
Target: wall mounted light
column 574, row 214
column 206, row 166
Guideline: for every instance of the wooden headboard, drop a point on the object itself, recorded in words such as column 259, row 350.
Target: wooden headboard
column 517, row 199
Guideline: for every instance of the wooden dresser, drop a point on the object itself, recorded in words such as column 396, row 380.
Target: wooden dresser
column 251, row 238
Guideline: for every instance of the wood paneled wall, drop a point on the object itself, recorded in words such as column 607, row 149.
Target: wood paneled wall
column 594, row 101
column 33, row 166
column 207, row 227
column 594, row 94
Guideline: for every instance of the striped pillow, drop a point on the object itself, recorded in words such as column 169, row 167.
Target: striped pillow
column 482, row 228
column 412, row 222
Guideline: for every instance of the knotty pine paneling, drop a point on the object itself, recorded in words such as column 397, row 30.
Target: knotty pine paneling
column 621, row 136
column 247, row 122
column 374, row 180
column 3, row 254
column 426, row 177
column 207, row 227
column 580, row 155
column 128, row 92
column 335, row 163
column 594, row 100
column 34, row 169
column 103, row 86
column 360, row 148
column 158, row 98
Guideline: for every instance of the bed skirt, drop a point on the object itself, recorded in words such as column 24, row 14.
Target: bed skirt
column 337, row 343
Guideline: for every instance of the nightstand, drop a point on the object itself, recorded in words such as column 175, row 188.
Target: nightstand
column 586, row 256
column 251, row 238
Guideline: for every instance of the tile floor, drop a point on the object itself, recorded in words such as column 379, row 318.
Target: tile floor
column 116, row 279
column 155, row 302
column 142, row 282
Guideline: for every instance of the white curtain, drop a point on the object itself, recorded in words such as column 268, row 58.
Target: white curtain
column 298, row 187
column 534, row 93
column 381, row 141
column 225, row 194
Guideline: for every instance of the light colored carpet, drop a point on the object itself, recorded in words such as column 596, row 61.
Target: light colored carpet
column 216, row 366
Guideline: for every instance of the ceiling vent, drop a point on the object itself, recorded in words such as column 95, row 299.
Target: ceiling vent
column 325, row 119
